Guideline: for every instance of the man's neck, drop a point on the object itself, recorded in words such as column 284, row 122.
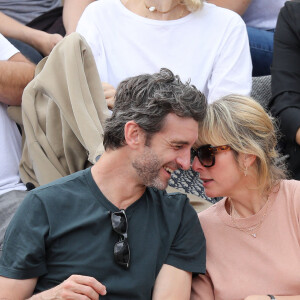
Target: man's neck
column 115, row 178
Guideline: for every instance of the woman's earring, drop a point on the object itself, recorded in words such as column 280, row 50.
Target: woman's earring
column 246, row 171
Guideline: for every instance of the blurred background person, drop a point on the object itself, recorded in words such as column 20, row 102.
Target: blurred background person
column 260, row 17
column 16, row 71
column 34, row 27
column 196, row 40
column 285, row 102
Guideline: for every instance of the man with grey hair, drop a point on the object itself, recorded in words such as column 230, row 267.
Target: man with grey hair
column 111, row 229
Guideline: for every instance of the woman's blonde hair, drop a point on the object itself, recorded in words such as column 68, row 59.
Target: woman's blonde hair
column 193, row 5
column 243, row 124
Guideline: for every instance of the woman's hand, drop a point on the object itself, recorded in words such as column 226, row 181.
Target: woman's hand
column 45, row 42
column 109, row 93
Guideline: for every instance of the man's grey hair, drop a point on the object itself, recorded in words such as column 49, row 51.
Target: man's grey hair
column 147, row 100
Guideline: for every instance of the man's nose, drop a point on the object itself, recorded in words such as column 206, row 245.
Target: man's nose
column 184, row 160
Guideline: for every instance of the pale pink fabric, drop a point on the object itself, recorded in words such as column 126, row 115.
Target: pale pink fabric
column 240, row 265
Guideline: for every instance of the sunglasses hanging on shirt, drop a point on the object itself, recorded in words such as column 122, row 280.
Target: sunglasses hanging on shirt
column 121, row 249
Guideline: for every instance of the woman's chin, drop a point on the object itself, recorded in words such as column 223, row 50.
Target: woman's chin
column 212, row 194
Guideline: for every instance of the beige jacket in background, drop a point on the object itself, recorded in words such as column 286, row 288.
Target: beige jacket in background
column 63, row 113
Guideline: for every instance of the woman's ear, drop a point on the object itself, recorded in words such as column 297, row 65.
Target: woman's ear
column 134, row 135
column 246, row 161
column 249, row 160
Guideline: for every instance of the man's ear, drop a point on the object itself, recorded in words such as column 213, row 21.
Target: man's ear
column 134, row 135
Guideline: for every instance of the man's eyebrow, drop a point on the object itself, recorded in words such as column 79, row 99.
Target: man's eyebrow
column 179, row 142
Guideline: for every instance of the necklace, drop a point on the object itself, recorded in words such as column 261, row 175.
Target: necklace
column 252, row 231
column 153, row 8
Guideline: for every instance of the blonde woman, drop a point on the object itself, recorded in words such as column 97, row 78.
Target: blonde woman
column 253, row 233
column 196, row 40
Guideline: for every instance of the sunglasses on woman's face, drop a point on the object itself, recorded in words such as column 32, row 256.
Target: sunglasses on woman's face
column 121, row 249
column 206, row 154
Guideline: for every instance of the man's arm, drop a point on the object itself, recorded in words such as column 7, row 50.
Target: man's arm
column 265, row 297
column 172, row 283
column 75, row 287
column 202, row 288
column 14, row 76
column 298, row 137
column 72, row 12
column 40, row 40
column 14, row 289
column 239, row 6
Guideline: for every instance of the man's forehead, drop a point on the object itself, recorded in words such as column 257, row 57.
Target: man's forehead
column 179, row 130
column 173, row 121
column 181, row 135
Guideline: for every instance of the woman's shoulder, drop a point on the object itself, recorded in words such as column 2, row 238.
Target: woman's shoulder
column 103, row 5
column 289, row 194
column 223, row 14
column 290, row 186
column 209, row 214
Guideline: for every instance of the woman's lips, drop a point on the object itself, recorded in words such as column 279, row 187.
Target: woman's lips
column 206, row 181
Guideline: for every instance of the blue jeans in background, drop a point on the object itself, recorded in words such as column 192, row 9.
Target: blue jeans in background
column 32, row 54
column 261, row 48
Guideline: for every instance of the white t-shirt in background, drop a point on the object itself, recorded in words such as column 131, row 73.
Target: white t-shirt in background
column 10, row 138
column 209, row 46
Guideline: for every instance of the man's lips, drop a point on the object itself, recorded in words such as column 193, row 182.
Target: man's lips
column 168, row 170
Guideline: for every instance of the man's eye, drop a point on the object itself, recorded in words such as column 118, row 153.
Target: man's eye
column 177, row 147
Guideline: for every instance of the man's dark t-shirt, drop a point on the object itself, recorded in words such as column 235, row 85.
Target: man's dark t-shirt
column 64, row 228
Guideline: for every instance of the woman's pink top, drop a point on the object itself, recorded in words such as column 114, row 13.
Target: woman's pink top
column 239, row 265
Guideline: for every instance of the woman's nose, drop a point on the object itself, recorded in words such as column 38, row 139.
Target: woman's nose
column 196, row 165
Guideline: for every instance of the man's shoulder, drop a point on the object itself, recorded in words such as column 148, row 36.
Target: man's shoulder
column 181, row 231
column 173, row 206
column 70, row 193
column 67, row 183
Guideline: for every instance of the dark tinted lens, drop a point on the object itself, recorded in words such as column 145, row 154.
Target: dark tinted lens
column 122, row 253
column 119, row 222
column 193, row 154
column 206, row 156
